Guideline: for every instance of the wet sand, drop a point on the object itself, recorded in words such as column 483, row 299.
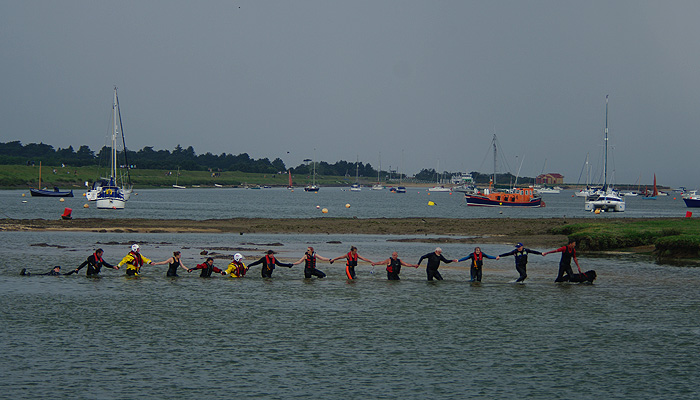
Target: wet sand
column 533, row 232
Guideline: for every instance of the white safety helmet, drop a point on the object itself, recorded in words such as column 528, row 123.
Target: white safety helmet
column 238, row 257
column 135, row 247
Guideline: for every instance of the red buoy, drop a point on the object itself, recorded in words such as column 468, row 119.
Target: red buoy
column 67, row 213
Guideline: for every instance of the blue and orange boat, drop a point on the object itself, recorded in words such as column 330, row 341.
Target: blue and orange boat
column 519, row 197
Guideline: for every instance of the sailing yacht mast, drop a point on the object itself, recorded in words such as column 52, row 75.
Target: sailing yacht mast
column 605, row 164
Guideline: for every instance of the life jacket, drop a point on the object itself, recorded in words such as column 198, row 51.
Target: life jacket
column 352, row 260
column 567, row 254
column 521, row 257
column 270, row 261
column 310, row 261
column 98, row 259
column 477, row 260
column 394, row 266
column 137, row 261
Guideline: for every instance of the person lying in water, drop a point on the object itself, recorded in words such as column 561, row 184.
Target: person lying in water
column 55, row 271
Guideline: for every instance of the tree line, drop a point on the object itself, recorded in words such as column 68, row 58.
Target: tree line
column 15, row 153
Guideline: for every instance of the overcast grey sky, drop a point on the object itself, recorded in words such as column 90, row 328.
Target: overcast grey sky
column 435, row 79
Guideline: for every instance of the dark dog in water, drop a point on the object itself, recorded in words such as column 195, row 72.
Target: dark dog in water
column 588, row 276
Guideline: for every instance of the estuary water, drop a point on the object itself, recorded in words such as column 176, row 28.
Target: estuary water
column 201, row 204
column 634, row 334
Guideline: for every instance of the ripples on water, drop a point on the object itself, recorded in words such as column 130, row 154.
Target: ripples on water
column 634, row 334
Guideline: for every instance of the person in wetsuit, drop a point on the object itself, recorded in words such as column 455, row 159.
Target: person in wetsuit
column 94, row 264
column 520, row 252
column 173, row 262
column 568, row 253
column 434, row 259
column 477, row 263
column 134, row 261
column 268, row 264
column 309, row 259
column 236, row 269
column 351, row 263
column 55, row 271
column 393, row 266
column 207, row 268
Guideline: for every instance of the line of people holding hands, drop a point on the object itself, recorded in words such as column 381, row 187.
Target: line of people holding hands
column 134, row 260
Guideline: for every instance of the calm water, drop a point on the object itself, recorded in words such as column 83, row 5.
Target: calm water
column 633, row 334
column 281, row 203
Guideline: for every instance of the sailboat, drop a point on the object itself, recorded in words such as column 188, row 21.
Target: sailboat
column 653, row 194
column 438, row 187
column 48, row 193
column 177, row 178
column 312, row 187
column 106, row 192
column 609, row 199
column 356, row 186
column 378, row 185
column 516, row 197
column 290, row 187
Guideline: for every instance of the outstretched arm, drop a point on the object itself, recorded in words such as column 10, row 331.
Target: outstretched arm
column 168, row 261
column 364, row 259
column 385, row 262
column 322, row 258
column 81, row 266
column 407, row 264
column 301, row 260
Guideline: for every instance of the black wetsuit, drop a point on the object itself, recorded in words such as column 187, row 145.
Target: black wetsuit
column 94, row 265
column 172, row 268
column 393, row 270
column 50, row 273
column 565, row 263
column 268, row 265
column 433, row 264
column 520, row 261
column 310, row 267
column 207, row 270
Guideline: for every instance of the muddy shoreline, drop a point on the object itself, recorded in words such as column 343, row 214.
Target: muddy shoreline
column 534, row 232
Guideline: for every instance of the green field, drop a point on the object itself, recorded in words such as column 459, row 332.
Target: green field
column 20, row 176
column 676, row 237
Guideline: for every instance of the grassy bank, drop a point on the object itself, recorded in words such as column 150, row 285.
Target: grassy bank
column 21, row 176
column 672, row 237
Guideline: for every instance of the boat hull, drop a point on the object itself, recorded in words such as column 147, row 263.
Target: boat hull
column 110, row 203
column 485, row 201
column 49, row 193
column 693, row 203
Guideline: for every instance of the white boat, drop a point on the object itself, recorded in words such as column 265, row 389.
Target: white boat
column 312, row 187
column 355, row 187
column 610, row 199
column 547, row 190
column 438, row 187
column 177, row 178
column 107, row 192
column 629, row 194
column 378, row 185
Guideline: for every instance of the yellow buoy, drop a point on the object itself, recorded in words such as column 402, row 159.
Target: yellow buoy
column 597, row 211
column 86, row 206
column 61, row 199
column 325, row 211
column 22, row 194
column 84, row 194
column 430, row 203
column 347, row 205
column 317, row 207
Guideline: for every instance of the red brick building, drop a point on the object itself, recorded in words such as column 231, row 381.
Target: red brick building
column 550, row 179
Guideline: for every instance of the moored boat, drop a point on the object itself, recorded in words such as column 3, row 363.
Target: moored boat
column 520, row 197
column 692, row 199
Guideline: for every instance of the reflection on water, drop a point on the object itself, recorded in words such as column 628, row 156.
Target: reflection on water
column 633, row 334
column 282, row 203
